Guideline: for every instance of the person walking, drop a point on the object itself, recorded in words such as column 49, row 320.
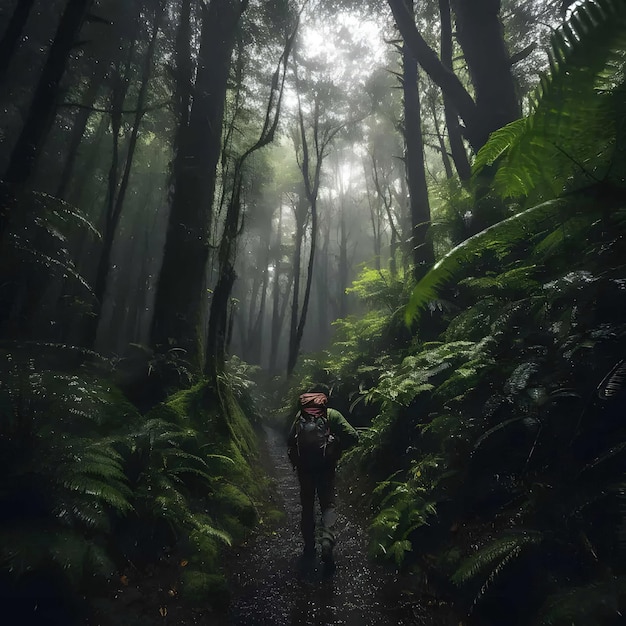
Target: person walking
column 316, row 440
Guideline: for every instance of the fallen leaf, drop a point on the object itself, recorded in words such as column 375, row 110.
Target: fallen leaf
column 124, row 580
column 184, row 563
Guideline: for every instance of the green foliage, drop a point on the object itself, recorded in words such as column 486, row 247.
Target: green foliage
column 240, row 378
column 197, row 587
column 504, row 426
column 39, row 237
column 593, row 604
column 490, row 560
column 574, row 127
column 402, row 509
column 498, row 240
column 89, row 483
column 378, row 288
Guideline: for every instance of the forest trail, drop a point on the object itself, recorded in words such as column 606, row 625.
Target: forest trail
column 272, row 587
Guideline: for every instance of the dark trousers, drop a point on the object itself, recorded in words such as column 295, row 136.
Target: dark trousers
column 320, row 482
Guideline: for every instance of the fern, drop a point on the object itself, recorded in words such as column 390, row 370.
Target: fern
column 489, row 562
column 499, row 238
column 591, row 605
column 574, row 117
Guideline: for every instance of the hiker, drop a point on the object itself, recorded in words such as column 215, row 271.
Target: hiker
column 316, row 440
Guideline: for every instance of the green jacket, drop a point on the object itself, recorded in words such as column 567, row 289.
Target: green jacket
column 342, row 430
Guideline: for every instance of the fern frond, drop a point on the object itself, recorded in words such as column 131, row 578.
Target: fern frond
column 62, row 267
column 115, row 495
column 500, row 142
column 574, row 118
column 192, row 470
column 500, row 237
column 211, row 531
column 492, row 556
column 82, row 511
column 593, row 605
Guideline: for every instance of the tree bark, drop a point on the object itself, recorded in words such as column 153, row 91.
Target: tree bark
column 12, row 35
column 294, row 347
column 117, row 194
column 184, row 71
column 455, row 137
column 180, row 299
column 483, row 46
column 415, row 165
column 78, row 128
column 481, row 36
column 43, row 106
column 277, row 318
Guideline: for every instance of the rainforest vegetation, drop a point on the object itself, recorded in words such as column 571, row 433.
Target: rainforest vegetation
column 209, row 205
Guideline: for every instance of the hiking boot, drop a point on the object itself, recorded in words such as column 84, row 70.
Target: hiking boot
column 327, row 551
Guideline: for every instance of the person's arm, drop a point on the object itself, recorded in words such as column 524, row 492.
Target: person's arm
column 342, row 429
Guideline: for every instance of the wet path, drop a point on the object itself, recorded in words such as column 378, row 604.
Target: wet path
column 271, row 586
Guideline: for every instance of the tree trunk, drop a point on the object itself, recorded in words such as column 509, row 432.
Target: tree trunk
column 180, row 296
column 117, row 194
column 217, row 332
column 43, row 106
column 343, row 266
column 78, row 128
column 12, row 35
column 374, row 202
column 184, row 71
column 415, row 166
column 294, row 346
column 481, row 36
column 457, row 148
column 276, row 317
column 443, row 150
column 255, row 344
column 322, row 284
column 483, row 45
column 76, row 193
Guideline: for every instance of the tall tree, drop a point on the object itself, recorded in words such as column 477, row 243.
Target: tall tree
column 117, row 189
column 12, row 35
column 488, row 61
column 459, row 155
column 43, row 106
column 218, row 319
column 311, row 154
column 179, row 303
column 419, row 205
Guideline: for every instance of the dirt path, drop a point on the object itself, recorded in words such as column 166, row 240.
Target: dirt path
column 272, row 586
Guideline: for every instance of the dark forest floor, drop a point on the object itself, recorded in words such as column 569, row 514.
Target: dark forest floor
column 271, row 585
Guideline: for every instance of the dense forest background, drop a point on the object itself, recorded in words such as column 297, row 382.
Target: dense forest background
column 208, row 205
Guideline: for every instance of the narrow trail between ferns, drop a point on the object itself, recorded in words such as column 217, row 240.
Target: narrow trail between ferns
column 272, row 586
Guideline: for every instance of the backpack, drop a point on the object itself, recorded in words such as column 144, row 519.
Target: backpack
column 312, row 429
